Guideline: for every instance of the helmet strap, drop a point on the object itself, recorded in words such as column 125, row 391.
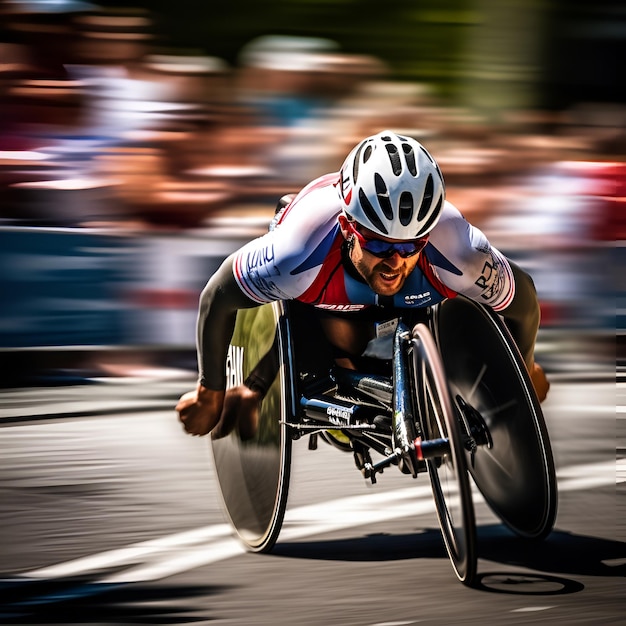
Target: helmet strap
column 350, row 244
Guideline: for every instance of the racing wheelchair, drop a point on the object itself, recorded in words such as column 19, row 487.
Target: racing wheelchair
column 451, row 397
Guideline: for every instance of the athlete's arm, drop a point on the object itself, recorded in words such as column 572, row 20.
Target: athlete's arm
column 466, row 262
column 219, row 302
column 200, row 410
column 522, row 315
column 522, row 318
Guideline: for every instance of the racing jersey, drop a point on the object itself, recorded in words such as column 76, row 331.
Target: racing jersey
column 301, row 258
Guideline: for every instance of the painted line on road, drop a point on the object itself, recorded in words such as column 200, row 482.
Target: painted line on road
column 173, row 554
column 133, row 553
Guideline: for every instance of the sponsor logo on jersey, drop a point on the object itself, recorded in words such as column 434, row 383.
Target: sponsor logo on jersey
column 417, row 299
column 491, row 280
column 342, row 307
column 258, row 258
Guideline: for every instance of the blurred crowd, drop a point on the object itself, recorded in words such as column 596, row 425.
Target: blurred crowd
column 102, row 125
column 139, row 151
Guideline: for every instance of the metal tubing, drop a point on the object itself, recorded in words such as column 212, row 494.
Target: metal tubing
column 403, row 420
column 431, row 448
column 340, row 413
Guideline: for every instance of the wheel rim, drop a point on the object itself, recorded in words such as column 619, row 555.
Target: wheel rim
column 253, row 473
column 448, row 474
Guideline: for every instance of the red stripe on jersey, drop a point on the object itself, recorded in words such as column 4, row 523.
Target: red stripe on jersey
column 429, row 272
column 241, row 282
column 509, row 298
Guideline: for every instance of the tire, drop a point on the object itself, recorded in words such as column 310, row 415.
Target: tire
column 253, row 471
column 448, row 473
column 488, row 378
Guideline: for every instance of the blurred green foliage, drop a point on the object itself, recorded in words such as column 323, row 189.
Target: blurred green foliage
column 560, row 51
column 418, row 39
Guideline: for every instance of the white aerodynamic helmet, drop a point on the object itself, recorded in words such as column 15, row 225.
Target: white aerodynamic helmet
column 393, row 186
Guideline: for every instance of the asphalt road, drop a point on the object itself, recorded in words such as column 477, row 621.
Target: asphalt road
column 110, row 515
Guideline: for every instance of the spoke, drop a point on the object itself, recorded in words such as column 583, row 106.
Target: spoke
column 478, row 380
column 498, row 409
column 497, row 462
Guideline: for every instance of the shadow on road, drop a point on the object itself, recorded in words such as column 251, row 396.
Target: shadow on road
column 76, row 602
column 561, row 553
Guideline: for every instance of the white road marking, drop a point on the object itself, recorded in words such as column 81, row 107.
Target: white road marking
column 173, row 554
column 133, row 553
column 158, row 558
column 396, row 623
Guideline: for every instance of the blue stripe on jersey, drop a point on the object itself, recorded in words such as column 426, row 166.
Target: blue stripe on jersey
column 318, row 256
column 436, row 258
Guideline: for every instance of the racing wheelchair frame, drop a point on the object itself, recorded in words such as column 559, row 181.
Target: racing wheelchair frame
column 454, row 400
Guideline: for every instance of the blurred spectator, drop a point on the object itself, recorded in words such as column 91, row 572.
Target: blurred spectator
column 295, row 85
column 41, row 105
column 104, row 125
column 99, row 131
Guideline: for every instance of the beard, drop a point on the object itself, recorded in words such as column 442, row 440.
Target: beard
column 383, row 279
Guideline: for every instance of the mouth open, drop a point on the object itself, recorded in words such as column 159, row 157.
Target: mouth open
column 388, row 277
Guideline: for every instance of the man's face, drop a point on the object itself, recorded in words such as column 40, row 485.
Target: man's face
column 385, row 276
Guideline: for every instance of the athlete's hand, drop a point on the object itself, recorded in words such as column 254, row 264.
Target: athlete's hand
column 199, row 410
column 539, row 381
column 241, row 410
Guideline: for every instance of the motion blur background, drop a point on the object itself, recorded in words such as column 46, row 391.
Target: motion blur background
column 140, row 144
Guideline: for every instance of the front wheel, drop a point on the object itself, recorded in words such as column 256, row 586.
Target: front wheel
column 448, row 471
column 252, row 465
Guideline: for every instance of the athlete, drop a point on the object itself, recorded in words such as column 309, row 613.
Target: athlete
column 359, row 245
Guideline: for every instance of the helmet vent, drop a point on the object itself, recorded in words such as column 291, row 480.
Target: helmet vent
column 383, row 196
column 370, row 213
column 406, row 208
column 427, row 200
column 409, row 155
column 433, row 216
column 355, row 163
column 367, row 154
column 394, row 157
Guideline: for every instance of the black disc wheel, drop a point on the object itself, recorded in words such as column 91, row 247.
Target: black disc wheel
column 253, row 454
column 512, row 464
column 448, row 470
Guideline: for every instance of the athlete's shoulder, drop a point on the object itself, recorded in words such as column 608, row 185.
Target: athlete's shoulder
column 464, row 260
column 283, row 263
column 317, row 203
column 450, row 217
column 454, row 235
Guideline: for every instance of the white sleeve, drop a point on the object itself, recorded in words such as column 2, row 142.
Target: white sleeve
column 282, row 264
column 262, row 269
column 465, row 261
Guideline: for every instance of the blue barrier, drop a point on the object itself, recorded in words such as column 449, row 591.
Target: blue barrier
column 61, row 287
